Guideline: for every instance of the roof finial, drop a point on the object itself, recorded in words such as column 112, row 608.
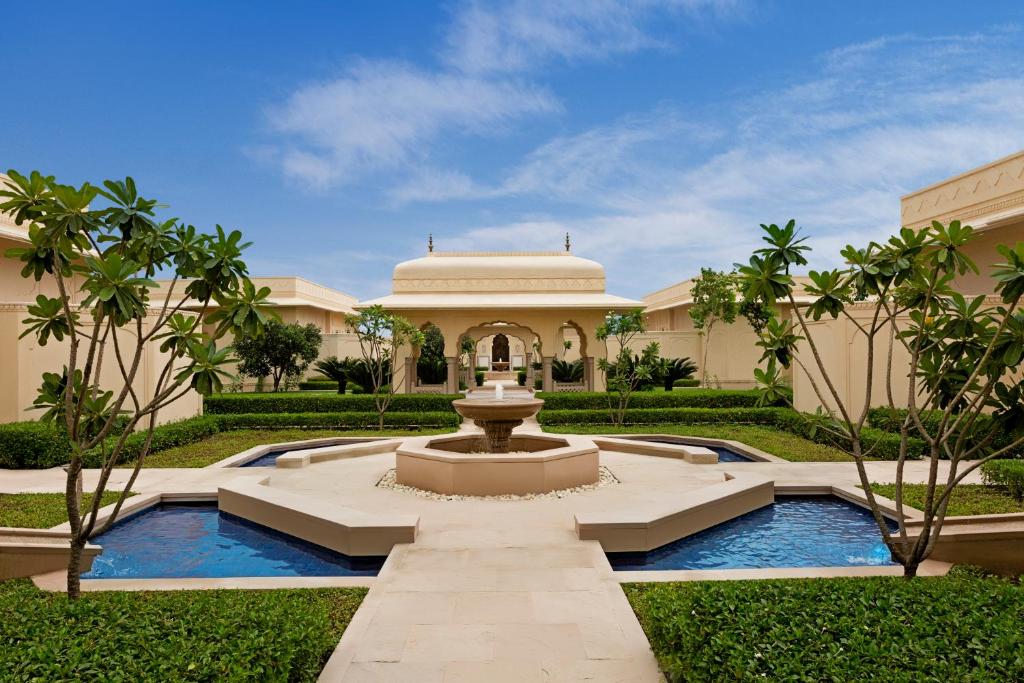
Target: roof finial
column 568, row 244
column 430, row 244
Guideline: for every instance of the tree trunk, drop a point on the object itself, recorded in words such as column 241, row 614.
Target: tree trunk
column 75, row 569
column 910, row 570
column 380, row 421
column 277, row 381
column 704, row 362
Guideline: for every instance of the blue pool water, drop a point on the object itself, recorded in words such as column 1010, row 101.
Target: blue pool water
column 199, row 541
column 269, row 459
column 724, row 454
column 804, row 531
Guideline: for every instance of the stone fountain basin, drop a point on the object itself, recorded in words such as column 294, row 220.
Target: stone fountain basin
column 487, row 409
column 537, row 464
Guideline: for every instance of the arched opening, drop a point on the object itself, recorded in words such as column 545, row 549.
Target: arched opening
column 500, row 361
column 431, row 367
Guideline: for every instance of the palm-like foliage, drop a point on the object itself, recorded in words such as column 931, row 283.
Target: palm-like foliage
column 567, row 372
column 337, row 370
column 672, row 369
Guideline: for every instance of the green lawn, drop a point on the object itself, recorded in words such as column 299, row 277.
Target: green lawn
column 40, row 510
column 967, row 499
column 223, row 635
column 782, row 444
column 864, row 629
column 223, row 444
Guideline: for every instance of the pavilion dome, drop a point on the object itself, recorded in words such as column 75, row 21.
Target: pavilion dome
column 550, row 271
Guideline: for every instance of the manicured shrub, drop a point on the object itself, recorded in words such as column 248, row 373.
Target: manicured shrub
column 217, row 635
column 225, row 404
column 686, row 383
column 521, row 378
column 891, row 420
column 478, row 377
column 880, row 445
column 859, row 629
column 699, row 398
column 318, row 385
column 165, row 436
column 1006, row 473
column 346, row 420
column 32, row 445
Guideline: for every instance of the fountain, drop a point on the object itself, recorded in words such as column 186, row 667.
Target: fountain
column 498, row 416
column 497, row 462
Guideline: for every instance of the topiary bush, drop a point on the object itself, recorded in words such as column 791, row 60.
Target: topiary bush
column 341, row 420
column 32, row 445
column 478, row 377
column 881, row 445
column 521, row 378
column 1006, row 473
column 226, row 404
column 700, row 398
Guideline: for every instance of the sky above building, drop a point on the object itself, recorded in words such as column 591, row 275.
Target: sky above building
column 338, row 135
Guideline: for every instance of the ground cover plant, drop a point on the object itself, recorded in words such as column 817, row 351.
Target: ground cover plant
column 99, row 248
column 224, row 444
column 966, row 499
column 778, row 443
column 236, row 635
column 962, row 354
column 42, row 510
column 863, row 629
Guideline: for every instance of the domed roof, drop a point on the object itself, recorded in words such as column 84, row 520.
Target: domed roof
column 498, row 272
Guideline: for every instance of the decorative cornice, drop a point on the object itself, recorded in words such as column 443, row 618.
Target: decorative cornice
column 986, row 190
column 497, row 284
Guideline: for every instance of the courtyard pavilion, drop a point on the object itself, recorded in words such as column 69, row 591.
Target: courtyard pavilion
column 519, row 308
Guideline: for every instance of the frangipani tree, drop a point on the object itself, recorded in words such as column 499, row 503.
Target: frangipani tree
column 625, row 375
column 110, row 255
column 381, row 334
column 962, row 392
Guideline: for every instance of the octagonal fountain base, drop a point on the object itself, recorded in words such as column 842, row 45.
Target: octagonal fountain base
column 536, row 463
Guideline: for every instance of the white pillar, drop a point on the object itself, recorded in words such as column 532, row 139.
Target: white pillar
column 549, row 384
column 453, row 375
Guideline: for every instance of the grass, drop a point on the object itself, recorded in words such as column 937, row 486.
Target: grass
column 220, row 635
column 966, row 499
column 223, row 444
column 41, row 510
column 864, row 629
column 778, row 443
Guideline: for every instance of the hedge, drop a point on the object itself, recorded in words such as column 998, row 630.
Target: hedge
column 32, row 445
column 216, row 635
column 226, row 404
column 346, row 420
column 686, row 383
column 169, row 435
column 851, row 629
column 695, row 398
column 881, row 445
column 891, row 420
column 1007, row 473
column 318, row 385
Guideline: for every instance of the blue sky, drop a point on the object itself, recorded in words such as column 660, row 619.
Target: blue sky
column 658, row 133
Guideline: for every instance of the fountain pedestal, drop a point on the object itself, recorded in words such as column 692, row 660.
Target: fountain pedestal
column 498, row 417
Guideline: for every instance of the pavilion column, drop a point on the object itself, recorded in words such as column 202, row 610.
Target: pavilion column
column 588, row 372
column 549, row 384
column 410, row 374
column 529, row 369
column 453, row 375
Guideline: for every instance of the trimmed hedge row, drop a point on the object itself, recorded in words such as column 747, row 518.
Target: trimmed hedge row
column 32, row 445
column 226, row 404
column 346, row 420
column 881, row 445
column 891, row 420
column 690, row 398
column 169, row 435
column 216, row 635
column 859, row 629
column 318, row 385
column 1006, row 473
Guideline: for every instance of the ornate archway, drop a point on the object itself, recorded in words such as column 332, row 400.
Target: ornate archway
column 500, row 353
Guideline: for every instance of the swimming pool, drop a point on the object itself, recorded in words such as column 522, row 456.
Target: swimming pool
column 197, row 540
column 795, row 531
column 269, row 459
column 725, row 454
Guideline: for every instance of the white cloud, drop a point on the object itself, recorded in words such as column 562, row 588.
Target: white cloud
column 522, row 34
column 382, row 114
column 835, row 152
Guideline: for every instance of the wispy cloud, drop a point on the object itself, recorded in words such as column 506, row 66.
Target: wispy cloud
column 523, row 34
column 835, row 151
column 386, row 115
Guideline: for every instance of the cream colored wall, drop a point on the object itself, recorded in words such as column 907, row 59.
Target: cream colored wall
column 982, row 251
